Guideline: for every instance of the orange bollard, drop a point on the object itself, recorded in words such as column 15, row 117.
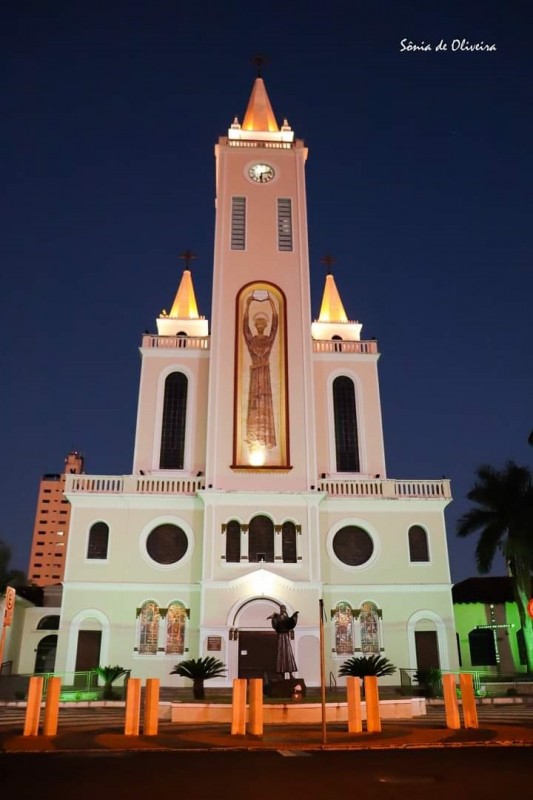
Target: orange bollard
column 469, row 700
column 373, row 721
column 51, row 709
column 353, row 694
column 451, row 705
column 133, row 707
column 33, row 707
column 151, row 707
column 256, row 707
column 238, row 707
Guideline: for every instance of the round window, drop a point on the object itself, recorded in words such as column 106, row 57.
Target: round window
column 167, row 544
column 353, row 546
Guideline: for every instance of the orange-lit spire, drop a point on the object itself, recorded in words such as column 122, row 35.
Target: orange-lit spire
column 332, row 309
column 259, row 115
column 184, row 305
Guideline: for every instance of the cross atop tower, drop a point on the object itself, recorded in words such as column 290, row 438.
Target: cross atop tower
column 187, row 256
column 328, row 261
column 259, row 61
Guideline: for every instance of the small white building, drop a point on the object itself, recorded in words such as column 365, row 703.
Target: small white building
column 259, row 474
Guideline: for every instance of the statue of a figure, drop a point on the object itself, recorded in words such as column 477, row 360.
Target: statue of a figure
column 260, row 426
column 283, row 625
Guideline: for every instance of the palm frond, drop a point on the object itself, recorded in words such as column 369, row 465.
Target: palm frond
column 361, row 666
column 204, row 668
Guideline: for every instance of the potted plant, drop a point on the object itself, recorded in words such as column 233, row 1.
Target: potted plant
column 200, row 670
column 430, row 680
column 109, row 675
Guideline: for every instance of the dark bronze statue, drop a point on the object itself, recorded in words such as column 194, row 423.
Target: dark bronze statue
column 283, row 625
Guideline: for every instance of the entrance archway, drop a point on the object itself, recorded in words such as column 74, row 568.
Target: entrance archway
column 257, row 643
column 45, row 658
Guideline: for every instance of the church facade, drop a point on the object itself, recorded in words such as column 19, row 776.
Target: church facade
column 259, row 476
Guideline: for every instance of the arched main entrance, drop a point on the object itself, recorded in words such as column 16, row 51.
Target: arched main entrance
column 256, row 641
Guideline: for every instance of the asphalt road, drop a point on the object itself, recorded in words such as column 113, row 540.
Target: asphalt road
column 469, row 773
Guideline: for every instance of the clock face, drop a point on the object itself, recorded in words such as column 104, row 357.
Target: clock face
column 261, row 173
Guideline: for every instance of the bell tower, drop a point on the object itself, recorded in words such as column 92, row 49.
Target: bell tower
column 260, row 417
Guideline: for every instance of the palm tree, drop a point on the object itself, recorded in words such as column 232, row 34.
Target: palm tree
column 109, row 675
column 361, row 666
column 503, row 517
column 8, row 577
column 200, row 670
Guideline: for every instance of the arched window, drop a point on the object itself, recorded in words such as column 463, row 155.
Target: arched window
column 369, row 627
column 149, row 627
column 174, row 418
column 261, row 543
column 50, row 623
column 288, row 543
column 98, row 541
column 346, row 443
column 418, row 544
column 343, row 621
column 176, row 619
column 233, row 541
column 45, row 655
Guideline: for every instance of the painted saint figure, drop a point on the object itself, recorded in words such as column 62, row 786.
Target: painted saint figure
column 260, row 425
column 283, row 625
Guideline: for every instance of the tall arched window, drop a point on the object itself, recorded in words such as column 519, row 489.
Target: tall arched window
column 149, row 627
column 45, row 655
column 233, row 541
column 418, row 544
column 288, row 543
column 346, row 443
column 176, row 619
column 343, row 621
column 261, row 541
column 369, row 626
column 174, row 419
column 98, row 540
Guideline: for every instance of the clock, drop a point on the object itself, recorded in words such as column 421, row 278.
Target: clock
column 261, row 173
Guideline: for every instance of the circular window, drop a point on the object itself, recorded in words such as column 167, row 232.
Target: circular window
column 353, row 546
column 167, row 544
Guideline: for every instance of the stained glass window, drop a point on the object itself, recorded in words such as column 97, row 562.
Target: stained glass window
column 343, row 619
column 176, row 619
column 369, row 626
column 149, row 627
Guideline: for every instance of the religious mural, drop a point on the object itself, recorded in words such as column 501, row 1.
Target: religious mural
column 260, row 436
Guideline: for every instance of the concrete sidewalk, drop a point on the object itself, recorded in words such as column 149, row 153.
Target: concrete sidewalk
column 397, row 735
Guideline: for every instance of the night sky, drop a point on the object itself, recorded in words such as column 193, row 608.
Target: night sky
column 419, row 184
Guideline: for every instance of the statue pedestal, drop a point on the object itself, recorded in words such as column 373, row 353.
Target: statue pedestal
column 285, row 687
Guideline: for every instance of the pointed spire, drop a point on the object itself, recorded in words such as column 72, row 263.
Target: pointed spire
column 184, row 305
column 332, row 309
column 259, row 115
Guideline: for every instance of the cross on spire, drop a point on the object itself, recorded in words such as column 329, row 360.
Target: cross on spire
column 328, row 261
column 187, row 256
column 259, row 61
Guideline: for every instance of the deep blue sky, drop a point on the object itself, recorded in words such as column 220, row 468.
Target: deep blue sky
column 419, row 183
